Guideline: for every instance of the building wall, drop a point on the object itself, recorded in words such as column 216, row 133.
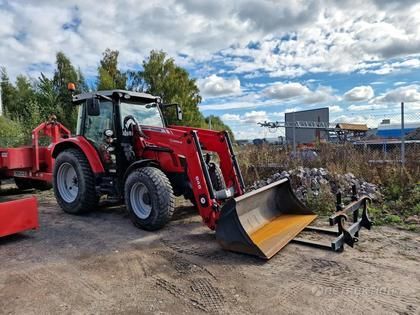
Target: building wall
column 394, row 130
column 307, row 135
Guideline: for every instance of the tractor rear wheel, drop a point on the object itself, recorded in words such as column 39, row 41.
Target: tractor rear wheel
column 149, row 198
column 74, row 184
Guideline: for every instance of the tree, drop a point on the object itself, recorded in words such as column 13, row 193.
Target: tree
column 11, row 133
column 26, row 106
column 162, row 77
column 65, row 72
column 109, row 76
column 48, row 96
column 20, row 102
column 8, row 93
column 215, row 123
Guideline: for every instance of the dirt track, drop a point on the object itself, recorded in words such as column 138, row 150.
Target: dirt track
column 100, row 263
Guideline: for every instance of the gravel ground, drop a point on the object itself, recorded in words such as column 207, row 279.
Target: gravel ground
column 101, row 263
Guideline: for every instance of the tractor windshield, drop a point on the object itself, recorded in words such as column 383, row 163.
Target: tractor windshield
column 145, row 114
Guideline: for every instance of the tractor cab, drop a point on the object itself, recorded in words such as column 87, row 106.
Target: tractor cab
column 113, row 111
column 107, row 117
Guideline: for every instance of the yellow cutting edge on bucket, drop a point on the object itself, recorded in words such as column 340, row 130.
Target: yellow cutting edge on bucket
column 263, row 221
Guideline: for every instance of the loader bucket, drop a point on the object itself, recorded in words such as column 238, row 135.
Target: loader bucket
column 263, row 221
column 18, row 216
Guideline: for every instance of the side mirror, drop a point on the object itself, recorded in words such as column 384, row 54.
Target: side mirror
column 178, row 112
column 178, row 109
column 93, row 107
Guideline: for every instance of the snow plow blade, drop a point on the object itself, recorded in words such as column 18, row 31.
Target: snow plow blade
column 18, row 216
column 263, row 221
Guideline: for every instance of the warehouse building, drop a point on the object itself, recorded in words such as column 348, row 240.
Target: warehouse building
column 307, row 135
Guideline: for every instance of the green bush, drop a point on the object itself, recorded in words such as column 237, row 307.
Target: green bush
column 393, row 219
column 11, row 133
column 323, row 202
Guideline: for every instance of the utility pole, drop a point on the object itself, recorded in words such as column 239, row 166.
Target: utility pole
column 294, row 135
column 402, row 136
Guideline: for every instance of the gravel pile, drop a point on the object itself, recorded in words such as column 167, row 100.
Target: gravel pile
column 314, row 179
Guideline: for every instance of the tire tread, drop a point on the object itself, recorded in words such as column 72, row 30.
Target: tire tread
column 89, row 199
column 162, row 190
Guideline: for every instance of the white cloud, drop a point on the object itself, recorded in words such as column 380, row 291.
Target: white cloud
column 295, row 90
column 412, row 107
column 224, row 105
column 386, row 68
column 335, row 109
column 215, row 86
column 293, row 38
column 254, row 116
column 320, row 95
column 283, row 91
column 366, row 107
column 409, row 93
column 247, row 118
column 230, row 117
column 359, row 93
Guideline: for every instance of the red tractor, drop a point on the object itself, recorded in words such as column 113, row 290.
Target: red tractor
column 124, row 149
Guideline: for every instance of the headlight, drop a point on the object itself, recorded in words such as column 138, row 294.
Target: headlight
column 109, row 133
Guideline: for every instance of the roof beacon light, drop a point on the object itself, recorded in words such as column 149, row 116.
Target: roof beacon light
column 71, row 87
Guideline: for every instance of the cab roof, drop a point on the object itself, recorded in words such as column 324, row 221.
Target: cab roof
column 79, row 98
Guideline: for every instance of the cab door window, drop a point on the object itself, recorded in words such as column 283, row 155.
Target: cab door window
column 96, row 125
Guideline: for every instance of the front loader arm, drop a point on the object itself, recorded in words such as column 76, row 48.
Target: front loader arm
column 188, row 143
column 220, row 143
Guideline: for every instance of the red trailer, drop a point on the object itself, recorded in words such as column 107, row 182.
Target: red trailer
column 31, row 167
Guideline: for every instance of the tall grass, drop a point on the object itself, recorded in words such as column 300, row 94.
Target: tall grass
column 399, row 185
column 261, row 161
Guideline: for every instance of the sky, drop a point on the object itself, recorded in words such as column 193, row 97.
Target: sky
column 253, row 60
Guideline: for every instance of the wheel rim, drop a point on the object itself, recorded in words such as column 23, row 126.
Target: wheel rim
column 67, row 182
column 140, row 200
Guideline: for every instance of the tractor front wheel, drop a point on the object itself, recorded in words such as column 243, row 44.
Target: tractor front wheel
column 74, row 183
column 216, row 177
column 149, row 198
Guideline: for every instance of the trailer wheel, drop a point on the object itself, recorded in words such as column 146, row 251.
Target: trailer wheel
column 23, row 183
column 149, row 198
column 74, row 184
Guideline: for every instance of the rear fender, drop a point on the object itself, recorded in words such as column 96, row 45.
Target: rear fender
column 83, row 145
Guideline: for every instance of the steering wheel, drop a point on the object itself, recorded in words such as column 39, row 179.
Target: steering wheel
column 131, row 119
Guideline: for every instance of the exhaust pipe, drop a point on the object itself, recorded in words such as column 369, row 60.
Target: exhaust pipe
column 262, row 222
